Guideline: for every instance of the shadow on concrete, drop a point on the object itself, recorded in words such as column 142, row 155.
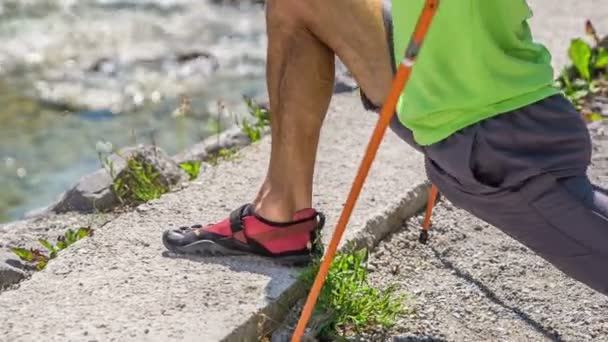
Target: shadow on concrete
column 466, row 276
column 281, row 291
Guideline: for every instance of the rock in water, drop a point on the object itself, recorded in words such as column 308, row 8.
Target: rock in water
column 92, row 191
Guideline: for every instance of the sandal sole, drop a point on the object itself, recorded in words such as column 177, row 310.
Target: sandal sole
column 211, row 248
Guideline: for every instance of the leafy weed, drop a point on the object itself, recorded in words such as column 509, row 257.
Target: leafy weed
column 587, row 74
column 39, row 259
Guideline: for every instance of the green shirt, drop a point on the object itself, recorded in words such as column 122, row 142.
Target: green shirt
column 477, row 61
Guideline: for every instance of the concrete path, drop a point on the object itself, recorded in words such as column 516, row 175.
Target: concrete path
column 118, row 285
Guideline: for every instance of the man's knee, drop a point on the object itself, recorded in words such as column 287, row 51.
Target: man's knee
column 580, row 187
column 591, row 196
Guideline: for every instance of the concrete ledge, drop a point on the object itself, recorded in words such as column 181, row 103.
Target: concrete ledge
column 119, row 285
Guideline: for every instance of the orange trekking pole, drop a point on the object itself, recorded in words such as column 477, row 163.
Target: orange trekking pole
column 426, row 225
column 388, row 110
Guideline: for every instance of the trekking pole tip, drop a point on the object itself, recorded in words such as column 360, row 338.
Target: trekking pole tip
column 424, row 236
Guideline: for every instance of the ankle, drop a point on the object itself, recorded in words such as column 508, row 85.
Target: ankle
column 276, row 211
column 279, row 202
column 278, row 207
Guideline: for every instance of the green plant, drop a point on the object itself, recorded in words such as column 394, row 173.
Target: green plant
column 222, row 154
column 577, row 80
column 587, row 73
column 352, row 304
column 39, row 259
column 261, row 119
column 580, row 55
column 587, row 60
column 138, row 183
column 592, row 117
column 192, row 168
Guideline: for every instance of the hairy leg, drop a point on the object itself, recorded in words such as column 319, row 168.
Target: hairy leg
column 303, row 38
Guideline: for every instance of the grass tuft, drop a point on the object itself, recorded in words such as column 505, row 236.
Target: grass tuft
column 223, row 154
column 351, row 303
column 192, row 168
column 138, row 183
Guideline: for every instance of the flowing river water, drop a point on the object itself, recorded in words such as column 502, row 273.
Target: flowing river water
column 74, row 73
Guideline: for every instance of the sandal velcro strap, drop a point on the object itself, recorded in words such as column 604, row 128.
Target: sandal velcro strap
column 236, row 219
column 321, row 222
column 283, row 229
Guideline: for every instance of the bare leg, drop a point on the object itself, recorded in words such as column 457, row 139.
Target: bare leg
column 303, row 38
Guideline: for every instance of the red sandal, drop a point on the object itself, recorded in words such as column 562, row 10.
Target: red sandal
column 244, row 232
